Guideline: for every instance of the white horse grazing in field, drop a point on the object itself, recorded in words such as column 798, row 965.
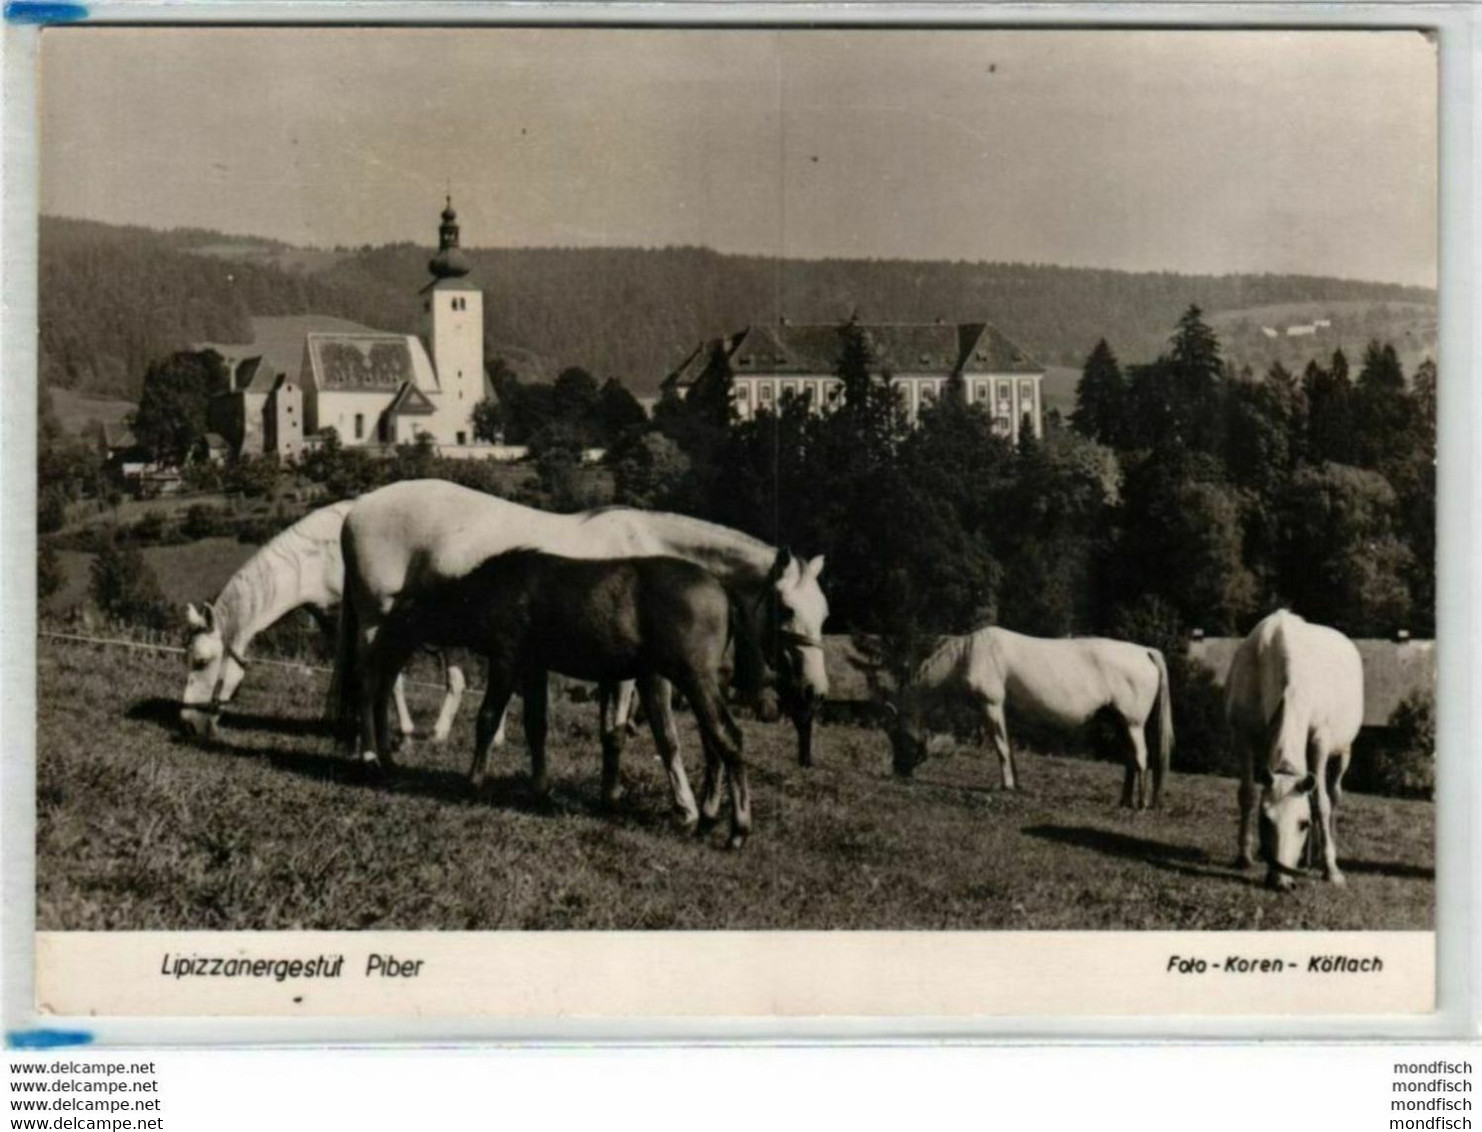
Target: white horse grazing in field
column 301, row 568
column 404, row 539
column 1294, row 700
column 1064, row 683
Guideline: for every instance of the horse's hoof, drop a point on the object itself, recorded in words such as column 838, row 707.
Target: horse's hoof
column 610, row 798
column 439, row 737
column 1336, row 877
column 736, row 841
column 1244, row 862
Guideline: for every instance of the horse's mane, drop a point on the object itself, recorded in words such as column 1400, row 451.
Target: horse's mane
column 258, row 585
column 942, row 658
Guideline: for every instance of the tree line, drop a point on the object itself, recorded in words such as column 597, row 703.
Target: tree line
column 114, row 299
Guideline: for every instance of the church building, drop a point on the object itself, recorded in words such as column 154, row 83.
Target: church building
column 371, row 387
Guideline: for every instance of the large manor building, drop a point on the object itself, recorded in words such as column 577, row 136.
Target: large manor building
column 303, row 375
column 768, row 363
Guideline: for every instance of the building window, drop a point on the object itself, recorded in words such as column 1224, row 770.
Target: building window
column 1026, row 393
column 835, row 391
column 764, row 393
column 980, row 391
column 743, row 394
column 463, row 438
column 359, row 426
column 789, row 387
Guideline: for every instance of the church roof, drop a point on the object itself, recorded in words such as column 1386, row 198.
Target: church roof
column 364, row 362
column 410, row 402
column 278, row 347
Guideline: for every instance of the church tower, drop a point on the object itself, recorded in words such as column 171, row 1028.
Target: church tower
column 455, row 315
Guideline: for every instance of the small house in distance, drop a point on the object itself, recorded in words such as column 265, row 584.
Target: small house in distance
column 770, row 362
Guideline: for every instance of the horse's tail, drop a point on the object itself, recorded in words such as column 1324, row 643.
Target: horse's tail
column 1164, row 711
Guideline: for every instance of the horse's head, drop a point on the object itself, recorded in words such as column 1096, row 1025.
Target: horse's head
column 801, row 610
column 1285, row 823
column 212, row 672
column 907, row 738
column 1286, row 798
column 798, row 611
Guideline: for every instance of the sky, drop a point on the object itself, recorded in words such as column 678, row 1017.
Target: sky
column 1207, row 152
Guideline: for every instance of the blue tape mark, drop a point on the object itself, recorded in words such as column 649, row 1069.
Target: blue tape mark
column 47, row 1039
column 40, row 12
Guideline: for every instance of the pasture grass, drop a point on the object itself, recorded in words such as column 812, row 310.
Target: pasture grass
column 271, row 829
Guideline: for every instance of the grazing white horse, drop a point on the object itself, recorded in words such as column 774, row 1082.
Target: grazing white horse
column 1064, row 683
column 1294, row 700
column 405, row 539
column 301, row 568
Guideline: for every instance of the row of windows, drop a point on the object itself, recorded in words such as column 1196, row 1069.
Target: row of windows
column 828, row 392
column 460, row 304
column 360, row 430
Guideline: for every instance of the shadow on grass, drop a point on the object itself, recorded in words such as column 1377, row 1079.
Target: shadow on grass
column 511, row 791
column 1187, row 860
column 1192, row 861
column 1386, row 869
column 165, row 713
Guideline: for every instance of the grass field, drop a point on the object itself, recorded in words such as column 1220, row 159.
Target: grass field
column 270, row 829
column 191, row 571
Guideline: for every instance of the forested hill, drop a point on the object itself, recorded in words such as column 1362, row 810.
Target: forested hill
column 113, row 298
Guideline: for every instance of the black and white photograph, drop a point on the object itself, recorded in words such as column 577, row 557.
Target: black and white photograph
column 689, row 480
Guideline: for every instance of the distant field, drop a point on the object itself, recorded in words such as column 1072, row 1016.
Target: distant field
column 1059, row 389
column 1285, row 314
column 271, row 829
column 193, row 571
column 78, row 411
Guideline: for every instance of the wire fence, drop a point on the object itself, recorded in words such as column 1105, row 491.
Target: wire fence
column 178, row 650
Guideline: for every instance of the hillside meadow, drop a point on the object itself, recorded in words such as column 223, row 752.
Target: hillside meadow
column 270, row 828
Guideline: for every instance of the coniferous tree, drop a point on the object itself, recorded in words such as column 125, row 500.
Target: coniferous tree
column 1329, row 412
column 1197, row 382
column 1384, row 414
column 1101, row 398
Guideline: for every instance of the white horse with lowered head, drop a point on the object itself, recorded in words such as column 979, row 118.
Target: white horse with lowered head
column 300, row 568
column 1294, row 700
column 1064, row 683
column 405, row 539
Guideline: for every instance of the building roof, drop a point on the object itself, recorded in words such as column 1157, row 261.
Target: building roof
column 410, row 402
column 900, row 348
column 278, row 344
column 987, row 349
column 366, row 362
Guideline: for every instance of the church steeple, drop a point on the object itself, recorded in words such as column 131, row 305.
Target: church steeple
column 449, row 262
